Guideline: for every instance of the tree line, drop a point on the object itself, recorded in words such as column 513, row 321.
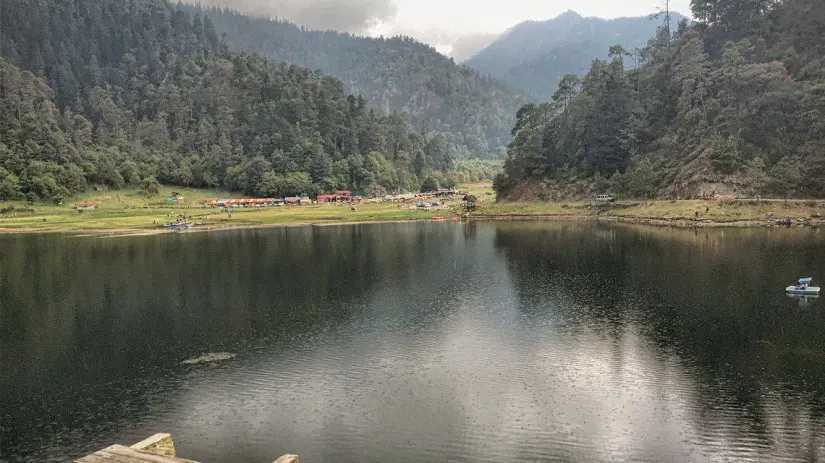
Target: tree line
column 107, row 93
column 733, row 103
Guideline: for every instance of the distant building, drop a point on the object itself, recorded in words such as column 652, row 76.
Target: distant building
column 341, row 196
column 447, row 192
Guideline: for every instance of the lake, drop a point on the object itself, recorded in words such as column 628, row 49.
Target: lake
column 417, row 342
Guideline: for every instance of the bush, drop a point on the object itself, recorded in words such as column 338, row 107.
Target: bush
column 430, row 184
column 149, row 187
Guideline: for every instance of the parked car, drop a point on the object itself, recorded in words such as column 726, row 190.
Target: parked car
column 605, row 198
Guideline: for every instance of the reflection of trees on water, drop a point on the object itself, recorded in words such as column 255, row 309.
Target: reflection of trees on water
column 557, row 260
column 106, row 321
column 713, row 297
column 79, row 314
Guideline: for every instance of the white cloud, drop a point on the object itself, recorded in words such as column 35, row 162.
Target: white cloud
column 459, row 28
column 356, row 16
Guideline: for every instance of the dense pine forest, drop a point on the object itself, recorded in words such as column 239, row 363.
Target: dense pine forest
column 731, row 104
column 105, row 93
column 396, row 75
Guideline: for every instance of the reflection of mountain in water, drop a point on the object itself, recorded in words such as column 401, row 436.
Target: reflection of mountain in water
column 113, row 318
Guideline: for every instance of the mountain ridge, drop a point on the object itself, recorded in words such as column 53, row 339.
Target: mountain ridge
column 108, row 93
column 526, row 55
column 397, row 74
column 732, row 104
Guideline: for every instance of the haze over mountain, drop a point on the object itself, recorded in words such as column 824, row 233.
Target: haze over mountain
column 533, row 56
column 457, row 28
column 355, row 16
column 397, row 74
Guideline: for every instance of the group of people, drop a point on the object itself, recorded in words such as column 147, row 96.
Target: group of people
column 179, row 219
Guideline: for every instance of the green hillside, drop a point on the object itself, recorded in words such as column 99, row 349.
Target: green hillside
column 396, row 74
column 733, row 104
column 107, row 93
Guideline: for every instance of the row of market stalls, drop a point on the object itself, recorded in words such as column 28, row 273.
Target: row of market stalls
column 256, row 202
column 444, row 194
column 342, row 196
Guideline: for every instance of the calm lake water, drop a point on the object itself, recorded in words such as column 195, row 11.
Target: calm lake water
column 417, row 342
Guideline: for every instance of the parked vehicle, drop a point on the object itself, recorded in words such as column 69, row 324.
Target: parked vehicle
column 605, row 198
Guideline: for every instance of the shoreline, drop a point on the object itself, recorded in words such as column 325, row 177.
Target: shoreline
column 122, row 232
column 667, row 222
column 664, row 222
column 131, row 215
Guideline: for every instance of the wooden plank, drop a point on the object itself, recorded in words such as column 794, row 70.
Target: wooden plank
column 112, row 457
column 160, row 444
column 123, row 454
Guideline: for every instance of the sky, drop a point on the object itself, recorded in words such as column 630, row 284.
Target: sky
column 457, row 28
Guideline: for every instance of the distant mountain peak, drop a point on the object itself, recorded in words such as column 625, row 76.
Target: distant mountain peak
column 533, row 55
column 570, row 14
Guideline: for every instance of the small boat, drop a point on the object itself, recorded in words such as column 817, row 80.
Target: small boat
column 802, row 286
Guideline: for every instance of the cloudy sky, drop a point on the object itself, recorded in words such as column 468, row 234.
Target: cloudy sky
column 454, row 27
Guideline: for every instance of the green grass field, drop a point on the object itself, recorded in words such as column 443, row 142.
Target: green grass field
column 714, row 211
column 125, row 211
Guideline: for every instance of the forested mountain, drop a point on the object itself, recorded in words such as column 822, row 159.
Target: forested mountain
column 734, row 103
column 533, row 56
column 113, row 92
column 397, row 74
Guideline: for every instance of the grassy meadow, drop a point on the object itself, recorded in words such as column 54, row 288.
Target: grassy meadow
column 709, row 211
column 124, row 211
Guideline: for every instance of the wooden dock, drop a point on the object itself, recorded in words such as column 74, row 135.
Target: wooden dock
column 123, row 454
column 156, row 449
